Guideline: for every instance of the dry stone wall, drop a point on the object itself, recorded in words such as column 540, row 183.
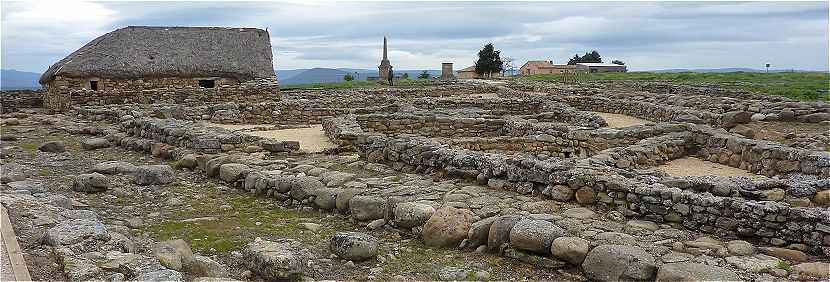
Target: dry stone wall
column 59, row 98
column 14, row 100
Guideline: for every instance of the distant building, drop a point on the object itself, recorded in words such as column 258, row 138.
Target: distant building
column 470, row 73
column 547, row 67
column 385, row 66
column 601, row 67
column 533, row 67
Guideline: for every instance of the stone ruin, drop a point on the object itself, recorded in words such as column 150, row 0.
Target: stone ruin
column 526, row 170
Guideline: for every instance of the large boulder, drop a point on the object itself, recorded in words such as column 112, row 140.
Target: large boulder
column 325, row 198
column 230, row 173
column 303, row 187
column 570, row 249
column 367, row 207
column 409, row 215
column 354, row 246
column 477, row 235
column 94, row 143
column 91, row 183
column 173, row 254
column 689, row 271
column 52, row 147
column 731, row 119
column 73, row 231
column 812, row 270
column 154, row 174
column 794, row 256
column 618, row 263
column 276, row 260
column 206, row 267
column 447, row 227
column 534, row 235
column 500, row 232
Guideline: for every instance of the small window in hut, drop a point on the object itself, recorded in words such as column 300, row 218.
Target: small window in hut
column 207, row 83
column 93, row 85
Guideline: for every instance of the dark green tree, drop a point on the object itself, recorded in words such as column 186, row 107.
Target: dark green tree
column 618, row 62
column 574, row 60
column 405, row 76
column 489, row 61
column 348, row 77
column 423, row 75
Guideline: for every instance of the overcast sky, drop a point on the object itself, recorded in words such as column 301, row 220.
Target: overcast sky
column 646, row 35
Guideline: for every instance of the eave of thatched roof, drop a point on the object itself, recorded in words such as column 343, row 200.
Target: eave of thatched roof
column 137, row 52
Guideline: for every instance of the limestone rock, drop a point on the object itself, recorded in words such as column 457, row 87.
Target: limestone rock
column 617, row 263
column 73, row 231
column 812, row 270
column 447, row 227
column 325, row 198
column 276, row 260
column 303, row 187
column 173, row 254
column 206, row 267
column 411, row 214
column 52, row 147
column 534, row 235
column 756, row 263
column 561, row 193
column 94, row 143
column 794, row 256
column 92, row 182
column 354, row 246
column 579, row 213
column 570, row 249
column 500, row 232
column 640, row 227
column 154, row 174
column 230, row 173
column 585, row 195
column 477, row 235
column 740, row 248
column 367, row 207
column 688, row 271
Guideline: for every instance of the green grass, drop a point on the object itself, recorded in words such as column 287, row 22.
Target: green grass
column 785, row 265
column 796, row 85
column 355, row 84
column 249, row 217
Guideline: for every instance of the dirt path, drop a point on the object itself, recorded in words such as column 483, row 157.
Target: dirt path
column 312, row 139
column 620, row 120
column 692, row 166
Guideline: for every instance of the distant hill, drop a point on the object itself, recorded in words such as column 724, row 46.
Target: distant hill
column 14, row 79
column 314, row 75
column 286, row 74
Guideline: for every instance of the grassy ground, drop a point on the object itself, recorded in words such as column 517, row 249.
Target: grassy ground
column 796, row 85
column 354, row 84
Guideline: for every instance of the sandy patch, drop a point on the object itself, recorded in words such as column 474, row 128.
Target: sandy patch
column 312, row 139
column 619, row 120
column 691, row 166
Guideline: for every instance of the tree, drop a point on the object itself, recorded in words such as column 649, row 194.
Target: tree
column 405, row 76
column 618, row 62
column 423, row 75
column 489, row 61
column 507, row 66
column 592, row 57
column 574, row 60
column 348, row 77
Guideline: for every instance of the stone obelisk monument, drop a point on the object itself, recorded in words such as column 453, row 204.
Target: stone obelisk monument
column 384, row 67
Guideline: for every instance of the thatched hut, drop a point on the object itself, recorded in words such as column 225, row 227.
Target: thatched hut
column 144, row 57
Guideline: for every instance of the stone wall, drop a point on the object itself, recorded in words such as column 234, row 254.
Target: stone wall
column 590, row 182
column 61, row 98
column 14, row 100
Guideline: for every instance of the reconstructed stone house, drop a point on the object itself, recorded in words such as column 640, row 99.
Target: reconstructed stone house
column 142, row 64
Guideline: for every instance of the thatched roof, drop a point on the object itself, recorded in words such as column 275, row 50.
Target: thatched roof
column 136, row 52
